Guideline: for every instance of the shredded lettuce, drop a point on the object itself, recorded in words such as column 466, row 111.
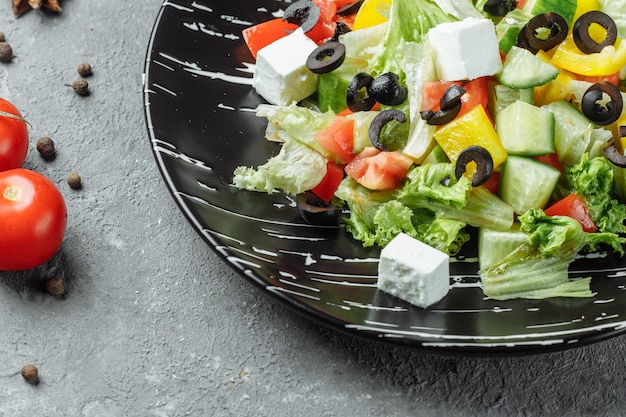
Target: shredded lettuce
column 296, row 168
column 539, row 267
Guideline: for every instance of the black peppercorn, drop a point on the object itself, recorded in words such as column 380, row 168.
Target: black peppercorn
column 45, row 147
column 6, row 52
column 74, row 181
column 84, row 69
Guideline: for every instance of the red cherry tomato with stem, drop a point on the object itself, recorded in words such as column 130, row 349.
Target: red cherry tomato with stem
column 13, row 137
column 33, row 217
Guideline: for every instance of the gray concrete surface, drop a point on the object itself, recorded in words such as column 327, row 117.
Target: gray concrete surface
column 154, row 324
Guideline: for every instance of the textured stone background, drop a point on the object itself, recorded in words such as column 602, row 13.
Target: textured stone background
column 154, row 324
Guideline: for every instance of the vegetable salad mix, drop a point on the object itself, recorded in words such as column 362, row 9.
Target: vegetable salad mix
column 428, row 117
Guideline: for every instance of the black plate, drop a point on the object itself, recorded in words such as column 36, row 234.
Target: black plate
column 200, row 117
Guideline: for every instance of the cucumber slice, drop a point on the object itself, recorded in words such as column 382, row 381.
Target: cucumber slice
column 522, row 69
column 571, row 132
column 527, row 130
column 526, row 183
column 504, row 96
column 495, row 245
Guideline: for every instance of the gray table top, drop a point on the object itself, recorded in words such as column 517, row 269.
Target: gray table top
column 155, row 324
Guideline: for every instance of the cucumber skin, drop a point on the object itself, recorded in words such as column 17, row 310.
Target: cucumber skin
column 495, row 245
column 526, row 183
column 526, row 130
column 521, row 69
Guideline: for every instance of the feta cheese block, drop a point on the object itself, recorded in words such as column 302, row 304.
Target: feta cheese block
column 280, row 74
column 466, row 49
column 413, row 271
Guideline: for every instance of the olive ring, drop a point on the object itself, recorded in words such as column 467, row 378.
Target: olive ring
column 583, row 39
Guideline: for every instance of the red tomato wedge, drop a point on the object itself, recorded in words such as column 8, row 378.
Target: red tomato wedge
column 338, row 139
column 378, row 170
column 325, row 26
column 493, row 183
column 551, row 159
column 262, row 34
column 613, row 78
column 327, row 187
column 573, row 206
column 477, row 93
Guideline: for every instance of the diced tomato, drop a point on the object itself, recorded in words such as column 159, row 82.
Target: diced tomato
column 262, row 34
column 327, row 187
column 573, row 206
column 493, row 183
column 325, row 26
column 378, row 170
column 477, row 92
column 613, row 78
column 338, row 139
column 342, row 3
column 551, row 159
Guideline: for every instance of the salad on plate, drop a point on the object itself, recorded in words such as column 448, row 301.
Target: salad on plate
column 434, row 118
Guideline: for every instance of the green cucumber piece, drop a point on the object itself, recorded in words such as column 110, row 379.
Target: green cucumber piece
column 572, row 131
column 525, row 129
column 495, row 245
column 504, row 96
column 526, row 183
column 522, row 69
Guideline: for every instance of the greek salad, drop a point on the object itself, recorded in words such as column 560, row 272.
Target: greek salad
column 430, row 117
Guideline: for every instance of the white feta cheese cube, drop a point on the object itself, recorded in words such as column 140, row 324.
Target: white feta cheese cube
column 280, row 75
column 466, row 49
column 413, row 271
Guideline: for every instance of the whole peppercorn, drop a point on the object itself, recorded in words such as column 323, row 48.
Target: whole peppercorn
column 45, row 147
column 55, row 285
column 84, row 69
column 6, row 52
column 74, row 181
column 81, row 87
column 30, row 374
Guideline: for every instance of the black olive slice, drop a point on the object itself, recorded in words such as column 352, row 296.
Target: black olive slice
column 326, row 57
column 303, row 13
column 381, row 119
column 583, row 39
column 441, row 117
column 597, row 108
column 357, row 97
column 522, row 40
column 386, row 89
column 483, row 160
column 545, row 31
column 314, row 210
column 452, row 97
column 340, row 29
column 613, row 155
column 350, row 8
column 499, row 7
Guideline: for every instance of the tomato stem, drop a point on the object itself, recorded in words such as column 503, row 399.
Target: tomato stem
column 12, row 193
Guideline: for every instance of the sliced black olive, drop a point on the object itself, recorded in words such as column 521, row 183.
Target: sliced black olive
column 451, row 97
column 440, row 117
column 499, row 7
column 483, row 160
column 303, row 13
column 340, row 29
column 613, row 155
column 314, row 210
column 326, row 57
column 545, row 31
column 386, row 89
column 522, row 41
column 350, row 8
column 583, row 39
column 357, row 97
column 597, row 108
column 381, row 119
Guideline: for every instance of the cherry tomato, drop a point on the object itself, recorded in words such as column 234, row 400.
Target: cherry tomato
column 13, row 137
column 33, row 217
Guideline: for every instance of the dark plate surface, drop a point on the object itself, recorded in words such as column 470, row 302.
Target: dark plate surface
column 200, row 116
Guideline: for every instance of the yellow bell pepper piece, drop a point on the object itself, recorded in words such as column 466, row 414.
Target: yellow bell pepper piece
column 555, row 90
column 372, row 13
column 609, row 61
column 584, row 6
column 472, row 128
